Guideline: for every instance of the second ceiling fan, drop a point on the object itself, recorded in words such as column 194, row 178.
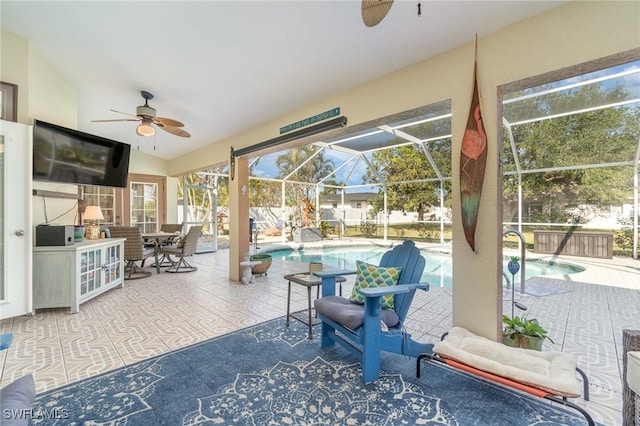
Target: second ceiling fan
column 146, row 115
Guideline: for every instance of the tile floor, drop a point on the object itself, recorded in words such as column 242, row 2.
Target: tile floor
column 164, row 312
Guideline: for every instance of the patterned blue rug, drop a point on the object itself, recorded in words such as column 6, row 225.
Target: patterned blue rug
column 272, row 375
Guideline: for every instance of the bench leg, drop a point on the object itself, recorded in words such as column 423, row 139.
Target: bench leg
column 288, row 303
column 570, row 404
column 585, row 384
column 431, row 357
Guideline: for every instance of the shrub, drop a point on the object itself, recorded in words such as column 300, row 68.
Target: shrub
column 624, row 237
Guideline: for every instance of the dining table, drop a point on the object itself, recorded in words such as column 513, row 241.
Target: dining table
column 159, row 238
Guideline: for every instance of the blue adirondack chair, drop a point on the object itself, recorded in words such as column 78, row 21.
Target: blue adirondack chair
column 358, row 327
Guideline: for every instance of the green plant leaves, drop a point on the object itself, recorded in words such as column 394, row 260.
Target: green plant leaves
column 522, row 325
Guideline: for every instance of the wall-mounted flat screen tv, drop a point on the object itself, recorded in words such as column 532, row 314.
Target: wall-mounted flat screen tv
column 70, row 156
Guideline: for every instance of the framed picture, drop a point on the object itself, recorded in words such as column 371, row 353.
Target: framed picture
column 8, row 101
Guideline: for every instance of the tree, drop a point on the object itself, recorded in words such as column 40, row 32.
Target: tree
column 264, row 193
column 401, row 167
column 295, row 167
column 199, row 198
column 592, row 137
column 267, row 195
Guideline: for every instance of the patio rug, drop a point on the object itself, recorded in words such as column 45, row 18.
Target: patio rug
column 269, row 374
column 541, row 286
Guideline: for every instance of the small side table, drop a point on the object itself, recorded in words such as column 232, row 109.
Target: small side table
column 247, row 275
column 307, row 280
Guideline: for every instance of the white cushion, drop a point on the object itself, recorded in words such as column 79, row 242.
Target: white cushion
column 551, row 371
column 633, row 371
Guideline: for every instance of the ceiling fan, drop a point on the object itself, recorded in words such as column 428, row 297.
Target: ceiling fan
column 374, row 11
column 147, row 116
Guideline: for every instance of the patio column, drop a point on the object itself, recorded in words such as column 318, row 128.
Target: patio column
column 238, row 218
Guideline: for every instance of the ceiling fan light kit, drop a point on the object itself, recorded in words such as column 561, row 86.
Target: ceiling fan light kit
column 145, row 129
column 147, row 116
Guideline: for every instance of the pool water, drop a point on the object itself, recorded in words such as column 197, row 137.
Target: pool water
column 437, row 271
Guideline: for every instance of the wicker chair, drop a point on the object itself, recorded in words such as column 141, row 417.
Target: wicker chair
column 631, row 378
column 185, row 247
column 169, row 228
column 134, row 250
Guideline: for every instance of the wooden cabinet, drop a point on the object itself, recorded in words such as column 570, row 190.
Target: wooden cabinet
column 66, row 276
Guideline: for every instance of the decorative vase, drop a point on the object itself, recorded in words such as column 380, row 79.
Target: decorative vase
column 262, row 268
column 78, row 233
column 523, row 341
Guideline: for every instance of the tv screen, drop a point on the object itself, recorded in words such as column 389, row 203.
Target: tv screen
column 70, row 156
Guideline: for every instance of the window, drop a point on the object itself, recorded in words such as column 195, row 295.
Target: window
column 105, row 198
column 144, row 206
column 144, row 202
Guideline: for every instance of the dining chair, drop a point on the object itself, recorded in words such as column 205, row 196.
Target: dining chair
column 169, row 228
column 185, row 247
column 134, row 251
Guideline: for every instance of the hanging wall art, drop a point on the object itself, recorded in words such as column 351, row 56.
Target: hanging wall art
column 473, row 159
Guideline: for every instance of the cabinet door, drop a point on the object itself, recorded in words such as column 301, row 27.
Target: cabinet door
column 111, row 264
column 90, row 271
column 15, row 215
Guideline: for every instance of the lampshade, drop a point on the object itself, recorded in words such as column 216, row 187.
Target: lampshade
column 145, row 129
column 93, row 213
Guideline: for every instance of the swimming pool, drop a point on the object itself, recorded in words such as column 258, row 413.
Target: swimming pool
column 437, row 271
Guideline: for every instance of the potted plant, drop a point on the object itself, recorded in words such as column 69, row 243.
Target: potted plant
column 263, row 267
column 521, row 332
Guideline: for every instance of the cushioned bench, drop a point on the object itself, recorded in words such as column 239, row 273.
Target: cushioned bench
column 549, row 375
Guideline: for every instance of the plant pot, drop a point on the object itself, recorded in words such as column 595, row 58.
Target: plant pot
column 78, row 233
column 523, row 341
column 262, row 268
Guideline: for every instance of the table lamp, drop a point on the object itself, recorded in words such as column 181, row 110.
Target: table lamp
column 93, row 213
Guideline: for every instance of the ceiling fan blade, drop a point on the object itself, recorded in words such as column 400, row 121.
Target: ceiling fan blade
column 374, row 11
column 176, row 131
column 126, row 113
column 116, row 119
column 163, row 121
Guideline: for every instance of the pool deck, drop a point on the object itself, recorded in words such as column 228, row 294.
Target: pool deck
column 585, row 314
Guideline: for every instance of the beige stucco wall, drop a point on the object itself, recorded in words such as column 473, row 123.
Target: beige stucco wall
column 45, row 94
column 147, row 164
column 14, row 65
column 571, row 34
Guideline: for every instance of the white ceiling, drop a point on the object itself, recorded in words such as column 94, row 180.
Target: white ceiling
column 222, row 67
